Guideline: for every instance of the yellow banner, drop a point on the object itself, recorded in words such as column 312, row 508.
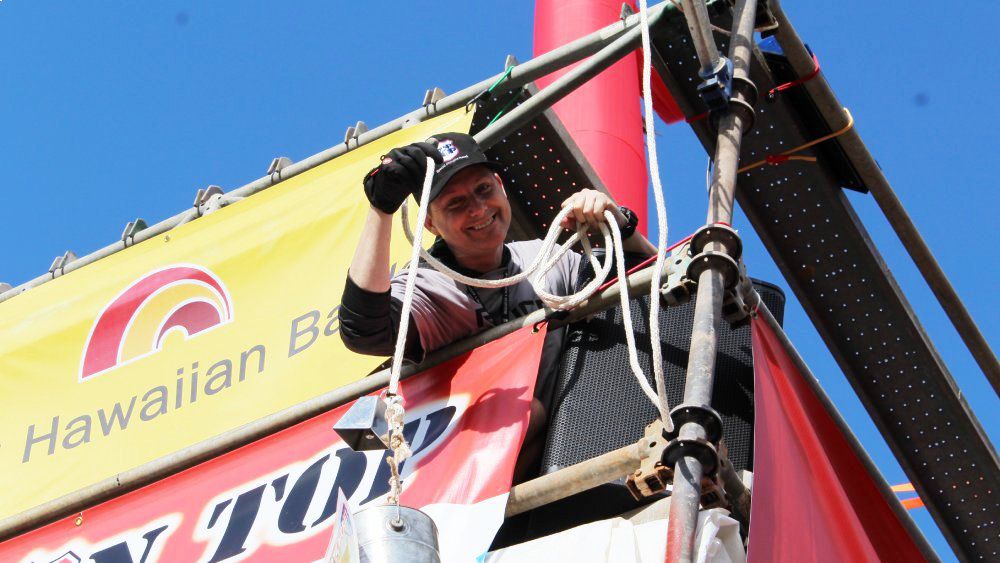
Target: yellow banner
column 206, row 327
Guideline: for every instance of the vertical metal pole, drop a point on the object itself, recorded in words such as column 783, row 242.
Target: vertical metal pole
column 696, row 15
column 688, row 471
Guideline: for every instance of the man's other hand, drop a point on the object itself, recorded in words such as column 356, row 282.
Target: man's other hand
column 588, row 208
column 400, row 174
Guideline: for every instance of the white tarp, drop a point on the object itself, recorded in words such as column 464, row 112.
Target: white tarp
column 618, row 540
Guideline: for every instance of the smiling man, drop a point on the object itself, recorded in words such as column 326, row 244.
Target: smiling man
column 470, row 215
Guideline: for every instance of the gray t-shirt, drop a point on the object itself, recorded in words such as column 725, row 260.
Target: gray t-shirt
column 445, row 310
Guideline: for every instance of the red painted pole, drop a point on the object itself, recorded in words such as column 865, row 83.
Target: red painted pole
column 604, row 115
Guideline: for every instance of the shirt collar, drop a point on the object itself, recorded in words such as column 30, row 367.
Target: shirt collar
column 442, row 252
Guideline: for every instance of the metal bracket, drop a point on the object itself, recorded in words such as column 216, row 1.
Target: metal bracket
column 704, row 416
column 676, row 289
column 743, row 101
column 208, row 200
column 433, row 96
column 716, row 86
column 718, row 261
column 363, row 427
column 58, row 266
column 736, row 306
column 725, row 262
column 354, row 132
column 277, row 165
column 718, row 233
column 741, row 97
column 740, row 302
column 132, row 229
column 654, row 475
column 698, row 448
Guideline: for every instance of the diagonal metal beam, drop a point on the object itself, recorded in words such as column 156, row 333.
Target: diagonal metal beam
column 890, row 204
column 811, row 230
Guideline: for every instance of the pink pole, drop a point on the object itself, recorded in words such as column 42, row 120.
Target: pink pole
column 604, row 115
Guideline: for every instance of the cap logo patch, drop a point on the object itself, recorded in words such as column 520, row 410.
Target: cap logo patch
column 448, row 150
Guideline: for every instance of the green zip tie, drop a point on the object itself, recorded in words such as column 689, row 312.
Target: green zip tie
column 503, row 77
column 504, row 108
column 489, row 90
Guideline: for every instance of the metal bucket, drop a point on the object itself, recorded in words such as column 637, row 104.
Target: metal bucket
column 383, row 539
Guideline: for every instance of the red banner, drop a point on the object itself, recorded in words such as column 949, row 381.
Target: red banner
column 273, row 500
column 814, row 499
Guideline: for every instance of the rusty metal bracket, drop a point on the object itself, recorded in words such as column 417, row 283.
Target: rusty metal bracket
column 719, row 233
column 740, row 303
column 676, row 288
column 655, row 473
column 718, row 261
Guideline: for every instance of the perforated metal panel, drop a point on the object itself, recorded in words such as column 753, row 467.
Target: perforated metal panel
column 542, row 165
column 811, row 231
column 598, row 406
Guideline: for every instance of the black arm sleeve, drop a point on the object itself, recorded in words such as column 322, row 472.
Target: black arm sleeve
column 369, row 322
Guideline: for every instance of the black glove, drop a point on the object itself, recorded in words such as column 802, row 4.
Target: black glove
column 400, row 174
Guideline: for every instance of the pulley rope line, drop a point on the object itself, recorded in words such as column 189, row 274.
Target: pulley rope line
column 661, row 221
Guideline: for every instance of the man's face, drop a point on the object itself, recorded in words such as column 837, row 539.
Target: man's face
column 471, row 213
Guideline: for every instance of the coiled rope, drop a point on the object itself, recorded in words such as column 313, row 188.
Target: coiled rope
column 547, row 258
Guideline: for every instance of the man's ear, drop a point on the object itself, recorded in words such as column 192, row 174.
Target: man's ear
column 500, row 181
column 429, row 224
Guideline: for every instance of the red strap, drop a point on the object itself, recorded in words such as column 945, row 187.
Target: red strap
column 793, row 83
column 698, row 117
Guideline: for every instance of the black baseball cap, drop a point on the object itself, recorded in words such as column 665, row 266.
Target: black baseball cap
column 459, row 151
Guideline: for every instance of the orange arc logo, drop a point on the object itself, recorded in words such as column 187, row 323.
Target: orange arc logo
column 183, row 297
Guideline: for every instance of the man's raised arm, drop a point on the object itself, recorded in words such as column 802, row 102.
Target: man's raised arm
column 369, row 317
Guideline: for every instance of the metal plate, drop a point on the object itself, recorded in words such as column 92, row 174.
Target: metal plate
column 828, row 259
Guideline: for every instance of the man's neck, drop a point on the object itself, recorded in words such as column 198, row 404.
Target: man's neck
column 481, row 262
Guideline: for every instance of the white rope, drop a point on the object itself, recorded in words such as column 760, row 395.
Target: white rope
column 633, row 356
column 548, row 257
column 661, row 221
column 394, row 415
column 411, row 278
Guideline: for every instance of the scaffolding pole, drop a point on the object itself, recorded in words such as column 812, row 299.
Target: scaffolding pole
column 693, row 435
column 700, row 27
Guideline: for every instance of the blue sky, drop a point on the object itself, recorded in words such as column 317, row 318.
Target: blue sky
column 113, row 111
